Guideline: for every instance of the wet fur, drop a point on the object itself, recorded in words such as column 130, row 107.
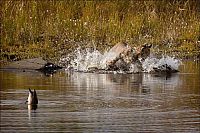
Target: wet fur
column 124, row 55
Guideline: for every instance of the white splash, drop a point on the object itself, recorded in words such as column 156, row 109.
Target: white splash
column 152, row 63
column 84, row 60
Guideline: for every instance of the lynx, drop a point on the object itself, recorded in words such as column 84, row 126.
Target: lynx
column 122, row 55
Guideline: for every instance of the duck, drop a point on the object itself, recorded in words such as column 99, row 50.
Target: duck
column 49, row 69
column 32, row 97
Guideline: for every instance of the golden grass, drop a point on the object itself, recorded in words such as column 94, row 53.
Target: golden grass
column 53, row 28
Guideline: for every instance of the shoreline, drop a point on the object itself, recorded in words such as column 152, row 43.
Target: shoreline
column 4, row 61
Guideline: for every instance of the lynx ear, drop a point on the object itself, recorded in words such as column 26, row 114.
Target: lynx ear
column 147, row 45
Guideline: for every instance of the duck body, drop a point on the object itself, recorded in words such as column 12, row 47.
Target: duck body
column 32, row 97
column 49, row 68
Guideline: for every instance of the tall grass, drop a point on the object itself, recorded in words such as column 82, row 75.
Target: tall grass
column 53, row 28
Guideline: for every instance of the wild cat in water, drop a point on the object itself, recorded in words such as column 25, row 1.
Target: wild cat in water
column 32, row 99
column 122, row 55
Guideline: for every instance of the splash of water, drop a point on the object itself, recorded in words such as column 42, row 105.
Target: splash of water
column 87, row 59
column 163, row 64
column 82, row 60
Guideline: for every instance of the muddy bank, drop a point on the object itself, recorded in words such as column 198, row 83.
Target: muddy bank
column 32, row 64
column 37, row 64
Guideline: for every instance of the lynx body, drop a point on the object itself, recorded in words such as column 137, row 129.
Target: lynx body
column 122, row 55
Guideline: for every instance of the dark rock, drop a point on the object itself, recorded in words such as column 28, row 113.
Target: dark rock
column 49, row 68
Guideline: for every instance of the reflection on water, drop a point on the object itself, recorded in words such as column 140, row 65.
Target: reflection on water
column 32, row 107
column 86, row 102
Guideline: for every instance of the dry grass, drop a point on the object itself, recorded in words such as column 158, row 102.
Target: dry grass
column 53, row 28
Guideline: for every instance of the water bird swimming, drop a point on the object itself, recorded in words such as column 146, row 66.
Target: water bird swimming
column 32, row 97
column 49, row 68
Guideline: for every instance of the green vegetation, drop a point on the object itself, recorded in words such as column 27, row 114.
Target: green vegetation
column 54, row 28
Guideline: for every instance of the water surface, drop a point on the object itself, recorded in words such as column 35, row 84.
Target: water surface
column 89, row 102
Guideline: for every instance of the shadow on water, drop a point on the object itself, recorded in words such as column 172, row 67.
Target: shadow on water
column 89, row 102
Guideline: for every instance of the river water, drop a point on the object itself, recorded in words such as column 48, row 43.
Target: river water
column 89, row 102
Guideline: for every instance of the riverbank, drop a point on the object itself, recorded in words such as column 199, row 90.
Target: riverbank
column 51, row 29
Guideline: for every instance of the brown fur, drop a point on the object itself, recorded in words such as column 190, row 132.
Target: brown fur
column 122, row 50
column 142, row 52
column 125, row 55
